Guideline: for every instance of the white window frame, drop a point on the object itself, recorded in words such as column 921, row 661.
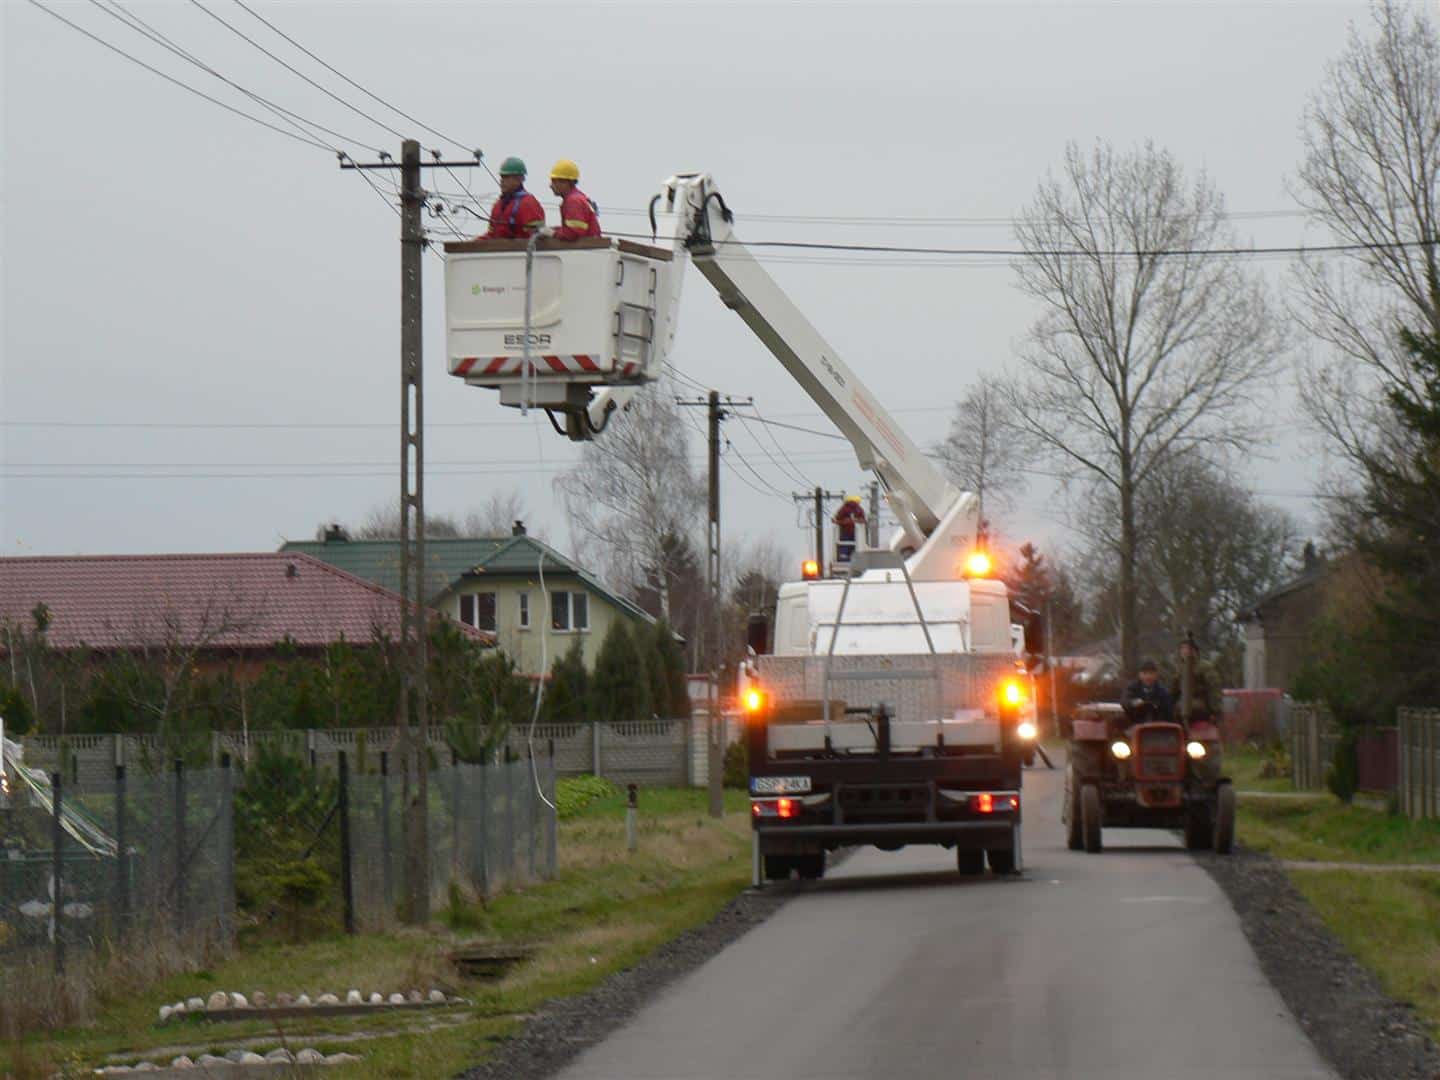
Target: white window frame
column 570, row 627
column 524, row 611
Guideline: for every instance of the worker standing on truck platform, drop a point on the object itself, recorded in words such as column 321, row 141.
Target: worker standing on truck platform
column 517, row 213
column 578, row 218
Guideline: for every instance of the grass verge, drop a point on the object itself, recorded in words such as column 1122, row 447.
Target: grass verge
column 1390, row 923
column 1245, row 765
column 1324, row 829
column 606, row 910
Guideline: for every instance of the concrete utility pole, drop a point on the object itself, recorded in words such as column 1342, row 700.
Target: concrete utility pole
column 412, row 542
column 412, row 716
column 872, row 524
column 820, row 497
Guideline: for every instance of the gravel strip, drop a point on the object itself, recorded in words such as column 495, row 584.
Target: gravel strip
column 561, row 1029
column 1363, row 1033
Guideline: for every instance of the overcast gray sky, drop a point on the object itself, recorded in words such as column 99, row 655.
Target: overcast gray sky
column 200, row 315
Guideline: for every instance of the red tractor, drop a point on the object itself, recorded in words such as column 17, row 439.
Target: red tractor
column 1130, row 770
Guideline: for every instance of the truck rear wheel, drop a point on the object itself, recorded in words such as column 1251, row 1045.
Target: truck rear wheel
column 1002, row 860
column 970, row 863
column 810, row 867
column 778, row 867
column 1091, row 813
column 1224, row 819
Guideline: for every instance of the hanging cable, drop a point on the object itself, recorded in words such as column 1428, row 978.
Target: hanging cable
column 341, row 75
column 182, row 85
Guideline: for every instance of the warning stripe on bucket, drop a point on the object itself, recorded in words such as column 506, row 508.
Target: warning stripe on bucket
column 542, row 366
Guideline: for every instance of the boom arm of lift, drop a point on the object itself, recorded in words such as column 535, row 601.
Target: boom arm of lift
column 938, row 521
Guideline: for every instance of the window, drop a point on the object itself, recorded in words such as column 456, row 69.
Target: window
column 570, row 611
column 478, row 610
column 524, row 611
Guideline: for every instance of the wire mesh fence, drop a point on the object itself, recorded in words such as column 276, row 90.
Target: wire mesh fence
column 488, row 827
column 138, row 859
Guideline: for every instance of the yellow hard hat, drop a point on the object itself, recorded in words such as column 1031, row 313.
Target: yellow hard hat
column 565, row 169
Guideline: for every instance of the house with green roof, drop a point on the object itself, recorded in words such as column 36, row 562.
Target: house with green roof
column 535, row 601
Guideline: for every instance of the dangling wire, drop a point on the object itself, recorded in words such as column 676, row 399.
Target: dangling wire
column 540, row 685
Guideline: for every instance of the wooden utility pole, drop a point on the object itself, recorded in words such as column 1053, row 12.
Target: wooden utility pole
column 820, row 497
column 412, row 716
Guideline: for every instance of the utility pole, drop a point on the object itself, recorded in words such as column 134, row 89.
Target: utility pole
column 715, row 741
column 412, row 717
column 820, row 496
column 872, row 524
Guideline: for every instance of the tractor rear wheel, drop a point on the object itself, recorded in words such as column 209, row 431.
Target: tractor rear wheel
column 969, row 862
column 1074, row 837
column 1199, row 832
column 1090, row 817
column 1224, row 819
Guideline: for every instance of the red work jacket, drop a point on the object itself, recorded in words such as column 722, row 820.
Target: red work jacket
column 577, row 217
column 515, row 216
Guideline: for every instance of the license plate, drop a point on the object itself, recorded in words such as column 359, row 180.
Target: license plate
column 778, row 785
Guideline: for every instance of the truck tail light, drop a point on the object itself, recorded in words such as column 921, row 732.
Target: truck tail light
column 782, row 808
column 787, row 808
column 989, row 803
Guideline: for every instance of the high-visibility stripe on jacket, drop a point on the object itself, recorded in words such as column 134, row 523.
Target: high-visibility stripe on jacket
column 577, row 217
column 515, row 216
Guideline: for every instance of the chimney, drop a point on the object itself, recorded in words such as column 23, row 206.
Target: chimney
column 518, row 529
column 336, row 534
column 1312, row 559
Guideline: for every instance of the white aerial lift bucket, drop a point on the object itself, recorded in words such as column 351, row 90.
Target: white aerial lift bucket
column 599, row 316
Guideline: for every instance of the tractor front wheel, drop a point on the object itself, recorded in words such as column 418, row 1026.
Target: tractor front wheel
column 1224, row 820
column 1091, row 814
column 1199, row 832
column 1074, row 837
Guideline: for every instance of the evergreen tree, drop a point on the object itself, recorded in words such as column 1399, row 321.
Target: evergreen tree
column 620, row 685
column 567, row 698
column 668, row 688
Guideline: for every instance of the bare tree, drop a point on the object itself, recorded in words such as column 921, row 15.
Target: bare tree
column 984, row 451
column 383, row 523
column 632, row 488
column 1371, row 176
column 1148, row 345
column 497, row 515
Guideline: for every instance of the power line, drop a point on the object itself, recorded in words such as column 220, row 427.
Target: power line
column 794, row 472
column 295, row 71
column 183, row 85
column 352, row 82
column 131, row 21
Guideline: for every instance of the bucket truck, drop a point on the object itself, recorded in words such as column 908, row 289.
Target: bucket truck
column 890, row 709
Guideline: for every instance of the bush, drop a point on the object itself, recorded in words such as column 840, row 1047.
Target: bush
column 1343, row 776
column 574, row 793
column 737, row 765
column 620, row 684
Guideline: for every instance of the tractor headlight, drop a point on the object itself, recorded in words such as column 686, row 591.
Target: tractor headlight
column 1026, row 730
column 1195, row 749
column 1120, row 748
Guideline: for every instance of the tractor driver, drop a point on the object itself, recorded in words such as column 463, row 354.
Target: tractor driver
column 1147, row 690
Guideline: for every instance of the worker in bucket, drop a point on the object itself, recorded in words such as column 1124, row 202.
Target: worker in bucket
column 849, row 519
column 517, row 213
column 578, row 219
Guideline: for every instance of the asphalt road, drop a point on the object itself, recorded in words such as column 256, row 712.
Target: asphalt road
column 1129, row 964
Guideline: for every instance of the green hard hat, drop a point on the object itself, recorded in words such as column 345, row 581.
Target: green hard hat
column 512, row 166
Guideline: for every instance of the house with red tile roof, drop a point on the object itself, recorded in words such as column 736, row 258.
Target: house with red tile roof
column 224, row 609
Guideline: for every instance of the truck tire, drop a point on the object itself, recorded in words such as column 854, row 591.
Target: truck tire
column 810, row 867
column 970, row 863
column 1224, row 819
column 1091, row 813
column 778, row 867
column 1002, row 860
column 1199, row 832
column 1074, row 837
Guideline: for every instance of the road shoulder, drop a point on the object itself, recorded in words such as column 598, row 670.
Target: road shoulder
column 1360, row 1030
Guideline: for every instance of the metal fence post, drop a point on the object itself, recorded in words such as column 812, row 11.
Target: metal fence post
column 552, row 860
column 455, row 808
column 532, row 806
column 387, row 877
column 483, row 827
column 57, row 868
column 227, row 848
column 347, row 881
column 632, row 825
column 595, row 747
column 122, row 854
column 179, row 847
